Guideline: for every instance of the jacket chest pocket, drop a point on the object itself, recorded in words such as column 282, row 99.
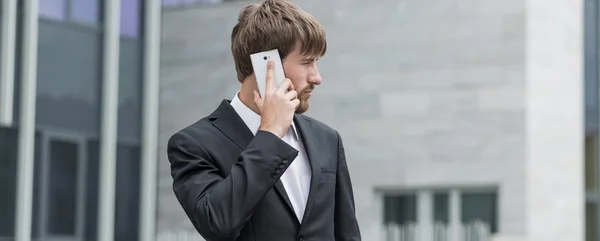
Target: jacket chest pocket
column 327, row 176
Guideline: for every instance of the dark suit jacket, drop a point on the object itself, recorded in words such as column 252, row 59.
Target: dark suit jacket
column 227, row 181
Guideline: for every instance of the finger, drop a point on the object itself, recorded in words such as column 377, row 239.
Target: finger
column 270, row 76
column 296, row 103
column 257, row 100
column 292, row 94
column 285, row 86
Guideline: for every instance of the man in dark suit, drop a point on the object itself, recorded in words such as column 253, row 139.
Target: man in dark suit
column 256, row 169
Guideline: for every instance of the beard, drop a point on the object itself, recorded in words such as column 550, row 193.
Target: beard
column 303, row 106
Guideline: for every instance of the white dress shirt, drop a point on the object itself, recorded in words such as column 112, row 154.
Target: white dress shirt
column 296, row 179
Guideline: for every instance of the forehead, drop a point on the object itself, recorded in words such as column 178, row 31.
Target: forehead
column 297, row 53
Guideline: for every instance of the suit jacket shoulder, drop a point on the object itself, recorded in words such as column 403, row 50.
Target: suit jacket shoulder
column 321, row 128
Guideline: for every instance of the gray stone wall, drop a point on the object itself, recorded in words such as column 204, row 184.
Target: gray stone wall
column 426, row 94
column 556, row 198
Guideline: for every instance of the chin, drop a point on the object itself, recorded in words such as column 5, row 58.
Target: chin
column 303, row 107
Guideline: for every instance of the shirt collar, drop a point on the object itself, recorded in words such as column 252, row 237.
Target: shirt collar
column 250, row 118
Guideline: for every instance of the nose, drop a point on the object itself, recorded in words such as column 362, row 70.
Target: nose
column 316, row 77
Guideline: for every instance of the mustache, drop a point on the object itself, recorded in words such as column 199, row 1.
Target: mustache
column 309, row 88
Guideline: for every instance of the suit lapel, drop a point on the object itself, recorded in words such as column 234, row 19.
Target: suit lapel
column 308, row 139
column 226, row 119
column 231, row 125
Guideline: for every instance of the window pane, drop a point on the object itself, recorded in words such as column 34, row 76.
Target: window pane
column 591, row 65
column 129, row 123
column 591, row 94
column 591, row 161
column 130, row 89
column 68, row 91
column 53, row 8
column 17, row 63
column 591, row 222
column 62, row 188
column 92, row 189
column 480, row 207
column 8, row 180
column 400, row 209
column 86, row 10
column 130, row 18
column 441, row 210
column 170, row 2
column 68, row 103
column 128, row 193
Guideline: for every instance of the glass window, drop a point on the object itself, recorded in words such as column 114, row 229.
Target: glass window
column 53, row 9
column 68, row 91
column 591, row 80
column 128, row 192
column 86, row 10
column 591, row 221
column 62, row 185
column 18, row 47
column 591, row 162
column 441, row 208
column 8, row 180
column 129, row 122
column 92, row 189
column 130, row 18
column 400, row 209
column 68, row 100
column 170, row 2
column 591, row 66
column 480, row 207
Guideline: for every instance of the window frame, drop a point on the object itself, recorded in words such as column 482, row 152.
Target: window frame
column 47, row 136
column 425, row 216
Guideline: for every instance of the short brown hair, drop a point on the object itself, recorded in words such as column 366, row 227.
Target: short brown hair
column 274, row 24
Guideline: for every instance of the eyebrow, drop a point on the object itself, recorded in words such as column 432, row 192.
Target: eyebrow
column 308, row 59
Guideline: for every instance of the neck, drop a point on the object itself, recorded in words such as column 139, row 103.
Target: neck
column 246, row 94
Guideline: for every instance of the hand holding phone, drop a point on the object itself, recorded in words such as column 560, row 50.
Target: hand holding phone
column 278, row 103
column 259, row 65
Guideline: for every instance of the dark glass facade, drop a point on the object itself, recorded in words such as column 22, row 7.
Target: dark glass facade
column 68, row 119
column 592, row 108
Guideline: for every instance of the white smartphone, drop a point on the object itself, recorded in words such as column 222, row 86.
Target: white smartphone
column 259, row 64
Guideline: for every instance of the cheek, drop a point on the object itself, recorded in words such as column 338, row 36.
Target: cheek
column 296, row 77
column 298, row 85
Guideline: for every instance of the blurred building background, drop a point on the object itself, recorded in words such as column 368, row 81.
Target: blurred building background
column 457, row 116
column 78, row 119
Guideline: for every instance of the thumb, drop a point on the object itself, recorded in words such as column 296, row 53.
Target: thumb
column 257, row 100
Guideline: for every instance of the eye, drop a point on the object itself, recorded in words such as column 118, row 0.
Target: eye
column 309, row 62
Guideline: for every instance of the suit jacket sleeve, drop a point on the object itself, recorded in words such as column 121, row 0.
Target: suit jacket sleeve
column 220, row 206
column 346, row 225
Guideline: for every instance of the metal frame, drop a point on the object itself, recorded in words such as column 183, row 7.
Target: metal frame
column 425, row 214
column 7, row 61
column 425, row 206
column 148, row 196
column 27, row 122
column 47, row 138
column 455, row 218
column 108, row 134
column 108, row 140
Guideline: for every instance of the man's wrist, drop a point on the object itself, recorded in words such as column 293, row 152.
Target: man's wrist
column 274, row 131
